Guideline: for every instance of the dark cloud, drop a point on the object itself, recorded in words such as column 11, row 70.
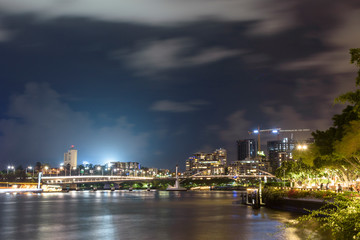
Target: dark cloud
column 158, row 56
column 267, row 14
column 171, row 106
column 40, row 127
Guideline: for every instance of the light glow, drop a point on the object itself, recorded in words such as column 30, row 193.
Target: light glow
column 302, row 147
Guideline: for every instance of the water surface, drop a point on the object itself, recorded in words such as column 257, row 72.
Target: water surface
column 138, row 215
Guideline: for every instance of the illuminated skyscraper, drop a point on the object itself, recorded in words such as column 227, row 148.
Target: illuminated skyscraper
column 70, row 157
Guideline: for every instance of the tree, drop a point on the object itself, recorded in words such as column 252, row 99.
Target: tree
column 337, row 149
column 337, row 152
column 353, row 97
column 38, row 166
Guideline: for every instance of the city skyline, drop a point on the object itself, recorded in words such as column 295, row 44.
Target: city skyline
column 156, row 86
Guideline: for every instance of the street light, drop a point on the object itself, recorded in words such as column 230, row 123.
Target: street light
column 74, row 168
column 46, row 168
column 302, row 147
column 284, row 177
column 102, row 172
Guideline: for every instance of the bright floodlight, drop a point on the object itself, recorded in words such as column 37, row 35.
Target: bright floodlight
column 302, row 147
column 256, row 131
column 274, row 131
column 30, row 167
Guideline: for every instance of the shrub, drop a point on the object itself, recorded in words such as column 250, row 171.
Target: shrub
column 341, row 217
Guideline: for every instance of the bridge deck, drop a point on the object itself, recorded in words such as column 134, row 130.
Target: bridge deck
column 102, row 179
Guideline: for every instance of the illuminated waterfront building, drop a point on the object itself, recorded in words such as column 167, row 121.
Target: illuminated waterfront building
column 249, row 162
column 70, row 157
column 126, row 165
column 248, row 167
column 207, row 163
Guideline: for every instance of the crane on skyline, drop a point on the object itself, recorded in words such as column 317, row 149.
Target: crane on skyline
column 274, row 131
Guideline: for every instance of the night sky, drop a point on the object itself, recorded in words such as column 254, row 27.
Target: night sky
column 155, row 81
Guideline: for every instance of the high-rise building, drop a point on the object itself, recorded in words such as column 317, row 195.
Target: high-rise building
column 207, row 163
column 70, row 157
column 246, row 149
column 280, row 151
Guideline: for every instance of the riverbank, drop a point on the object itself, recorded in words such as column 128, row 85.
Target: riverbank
column 300, row 205
column 300, row 200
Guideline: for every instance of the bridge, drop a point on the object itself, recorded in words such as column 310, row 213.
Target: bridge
column 91, row 179
column 61, row 180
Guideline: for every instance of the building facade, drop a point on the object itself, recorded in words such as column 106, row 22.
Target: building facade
column 280, row 151
column 70, row 157
column 207, row 163
column 126, row 165
column 246, row 149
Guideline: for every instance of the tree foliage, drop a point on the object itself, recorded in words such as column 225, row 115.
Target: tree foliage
column 353, row 97
column 336, row 152
column 340, row 217
column 338, row 148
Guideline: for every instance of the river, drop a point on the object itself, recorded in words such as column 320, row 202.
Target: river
column 154, row 215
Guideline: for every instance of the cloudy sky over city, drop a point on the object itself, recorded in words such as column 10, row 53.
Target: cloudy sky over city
column 156, row 82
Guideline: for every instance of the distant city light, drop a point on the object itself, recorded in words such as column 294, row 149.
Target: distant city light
column 275, row 131
column 109, row 162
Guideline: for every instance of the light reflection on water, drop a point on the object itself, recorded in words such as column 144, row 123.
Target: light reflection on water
column 138, row 215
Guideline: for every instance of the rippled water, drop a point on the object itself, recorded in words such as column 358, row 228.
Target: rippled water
column 138, row 215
